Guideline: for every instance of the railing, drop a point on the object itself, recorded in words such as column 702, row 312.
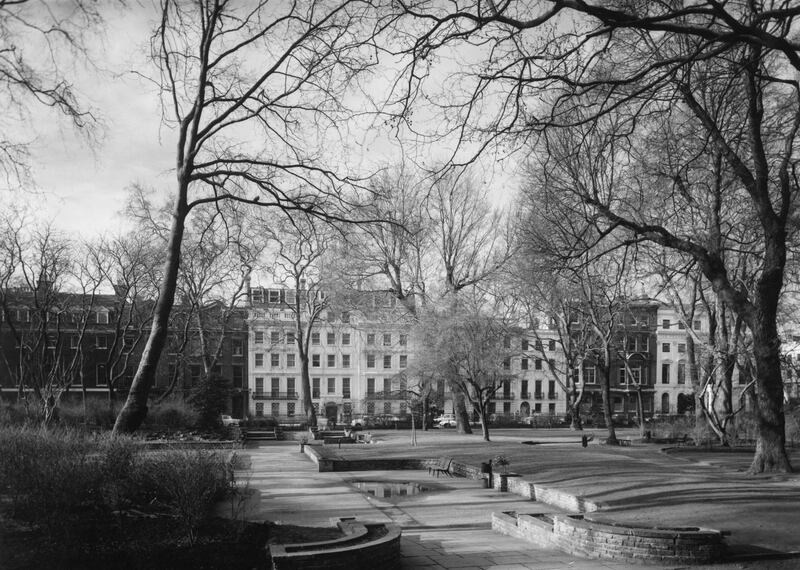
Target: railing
column 525, row 395
column 275, row 395
column 552, row 395
column 504, row 396
column 538, row 396
column 391, row 395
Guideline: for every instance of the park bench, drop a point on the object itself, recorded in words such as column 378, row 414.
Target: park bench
column 625, row 442
column 441, row 467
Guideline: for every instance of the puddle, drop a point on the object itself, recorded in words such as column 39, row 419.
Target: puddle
column 389, row 489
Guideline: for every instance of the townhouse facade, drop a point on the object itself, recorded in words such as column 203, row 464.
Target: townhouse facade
column 358, row 358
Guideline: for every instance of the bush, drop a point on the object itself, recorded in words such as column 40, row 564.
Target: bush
column 172, row 414
column 56, row 479
column 189, row 483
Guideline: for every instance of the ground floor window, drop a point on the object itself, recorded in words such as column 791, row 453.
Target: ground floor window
column 259, row 410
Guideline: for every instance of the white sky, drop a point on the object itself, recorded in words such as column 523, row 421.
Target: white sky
column 82, row 188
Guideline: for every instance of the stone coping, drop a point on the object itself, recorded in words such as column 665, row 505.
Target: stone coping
column 361, row 546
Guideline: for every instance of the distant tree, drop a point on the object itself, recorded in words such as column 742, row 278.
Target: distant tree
column 466, row 348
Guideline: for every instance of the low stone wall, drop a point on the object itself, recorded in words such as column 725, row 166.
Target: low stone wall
column 592, row 539
column 362, row 546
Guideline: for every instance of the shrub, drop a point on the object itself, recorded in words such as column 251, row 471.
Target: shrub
column 189, row 483
column 172, row 414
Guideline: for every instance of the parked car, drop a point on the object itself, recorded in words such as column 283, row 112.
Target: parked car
column 445, row 421
column 362, row 422
column 229, row 421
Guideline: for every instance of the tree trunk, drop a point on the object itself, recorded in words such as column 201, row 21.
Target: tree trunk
column 134, row 410
column 305, row 384
column 425, row 412
column 460, row 409
column 484, row 425
column 606, row 392
column 770, row 453
column 574, row 404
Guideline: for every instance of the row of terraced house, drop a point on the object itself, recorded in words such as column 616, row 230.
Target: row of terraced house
column 360, row 359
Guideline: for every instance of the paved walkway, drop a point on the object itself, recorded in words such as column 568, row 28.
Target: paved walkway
column 447, row 527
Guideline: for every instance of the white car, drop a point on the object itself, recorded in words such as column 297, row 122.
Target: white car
column 229, row 421
column 445, row 421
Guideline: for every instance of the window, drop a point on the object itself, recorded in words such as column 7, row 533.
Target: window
column 345, row 361
column 315, row 360
column 665, row 347
column 259, row 409
column 370, row 386
column 537, row 364
column 551, row 344
column 681, row 347
column 387, row 361
column 331, row 338
column 636, row 375
column 681, row 373
column 538, row 345
column 370, row 408
column 331, row 360
column 387, row 385
column 589, row 375
column 315, row 387
column 371, row 339
column 259, row 337
column 275, row 409
column 507, row 363
column 506, row 342
column 403, row 361
column 618, row 404
column 274, row 337
column 387, row 407
column 315, row 338
column 537, row 408
column 290, row 296
column 697, row 325
column 403, row 340
column 102, row 317
column 345, row 387
column 274, row 296
column 260, row 359
column 387, row 339
column 238, row 376
column 370, row 361
column 290, row 360
column 102, row 376
column 101, row 342
column 237, row 347
column 257, row 296
column 290, row 337
column 665, row 373
column 346, row 339
column 259, row 385
column 523, row 364
column 623, row 376
column 331, row 385
column 275, row 360
column 290, row 409
column 275, row 387
column 665, row 324
column 524, row 344
column 290, row 388
column 681, row 326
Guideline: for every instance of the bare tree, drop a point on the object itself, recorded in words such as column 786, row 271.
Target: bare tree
column 724, row 69
column 299, row 265
column 225, row 68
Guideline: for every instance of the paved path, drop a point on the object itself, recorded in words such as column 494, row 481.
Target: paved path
column 447, row 527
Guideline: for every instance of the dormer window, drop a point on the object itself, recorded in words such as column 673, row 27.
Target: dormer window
column 102, row 317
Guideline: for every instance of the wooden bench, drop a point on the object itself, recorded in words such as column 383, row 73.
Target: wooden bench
column 625, row 442
column 441, row 467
